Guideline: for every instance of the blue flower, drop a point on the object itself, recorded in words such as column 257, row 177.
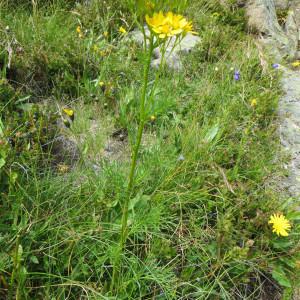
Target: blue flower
column 275, row 66
column 237, row 75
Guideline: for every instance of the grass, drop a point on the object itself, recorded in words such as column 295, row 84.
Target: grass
column 207, row 179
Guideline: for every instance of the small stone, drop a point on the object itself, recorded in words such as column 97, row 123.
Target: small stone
column 173, row 56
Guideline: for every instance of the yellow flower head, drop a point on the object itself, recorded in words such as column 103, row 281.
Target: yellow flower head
column 69, row 112
column 105, row 34
column 122, row 30
column 169, row 24
column 296, row 64
column 157, row 20
column 78, row 29
column 152, row 118
column 281, row 225
column 253, row 103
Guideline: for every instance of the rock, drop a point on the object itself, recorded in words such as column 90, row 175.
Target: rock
column 239, row 3
column 289, row 113
column 173, row 56
column 263, row 19
column 281, row 4
column 64, row 150
column 295, row 7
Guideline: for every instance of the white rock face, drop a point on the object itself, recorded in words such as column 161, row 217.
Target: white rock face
column 172, row 56
column 283, row 42
column 289, row 112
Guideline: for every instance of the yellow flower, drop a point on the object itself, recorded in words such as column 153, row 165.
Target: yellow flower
column 152, row 118
column 189, row 29
column 101, row 83
column 78, row 29
column 169, row 24
column 157, row 20
column 105, row 34
column 122, row 30
column 281, row 225
column 296, row 64
column 163, row 31
column 253, row 103
column 95, row 48
column 69, row 112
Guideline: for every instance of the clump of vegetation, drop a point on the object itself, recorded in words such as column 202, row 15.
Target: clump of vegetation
column 205, row 199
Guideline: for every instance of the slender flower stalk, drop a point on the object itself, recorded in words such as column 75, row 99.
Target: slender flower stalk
column 124, row 227
column 162, row 27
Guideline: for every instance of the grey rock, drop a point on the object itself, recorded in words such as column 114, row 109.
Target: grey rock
column 289, row 113
column 281, row 4
column 263, row 19
column 173, row 53
column 295, row 7
column 65, row 150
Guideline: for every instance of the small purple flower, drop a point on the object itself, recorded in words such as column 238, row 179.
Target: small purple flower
column 275, row 66
column 237, row 75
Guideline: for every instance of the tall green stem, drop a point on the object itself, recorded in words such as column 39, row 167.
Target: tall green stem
column 136, row 150
column 124, row 227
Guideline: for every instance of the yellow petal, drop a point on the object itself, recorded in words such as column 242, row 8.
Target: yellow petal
column 68, row 111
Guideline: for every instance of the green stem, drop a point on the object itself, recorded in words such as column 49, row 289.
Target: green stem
column 124, row 227
column 15, row 270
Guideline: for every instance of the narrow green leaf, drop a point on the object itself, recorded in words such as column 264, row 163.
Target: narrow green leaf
column 280, row 276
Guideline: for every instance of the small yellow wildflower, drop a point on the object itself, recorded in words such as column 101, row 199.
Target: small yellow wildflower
column 69, row 112
column 253, row 103
column 296, row 64
column 101, row 83
column 95, row 48
column 152, row 118
column 105, row 34
column 102, row 53
column 281, row 225
column 122, row 30
column 78, row 29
